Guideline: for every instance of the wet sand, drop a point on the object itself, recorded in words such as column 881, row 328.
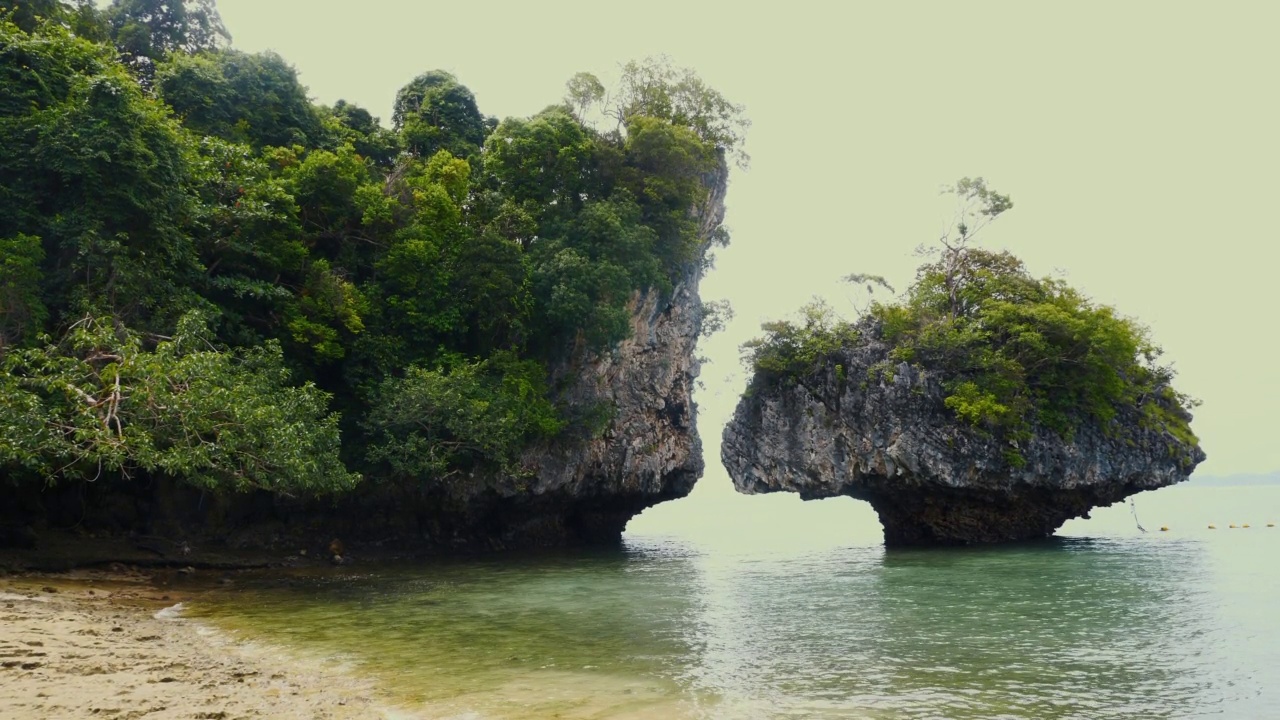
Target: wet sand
column 105, row 646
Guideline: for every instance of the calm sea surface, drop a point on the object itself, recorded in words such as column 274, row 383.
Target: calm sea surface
column 722, row 606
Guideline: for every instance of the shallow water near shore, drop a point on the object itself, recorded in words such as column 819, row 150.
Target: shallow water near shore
column 772, row 608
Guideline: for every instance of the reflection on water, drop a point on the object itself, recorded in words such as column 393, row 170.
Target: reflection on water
column 773, row 626
column 1069, row 629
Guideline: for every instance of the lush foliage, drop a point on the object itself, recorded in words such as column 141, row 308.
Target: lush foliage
column 410, row 285
column 654, row 88
column 1012, row 351
column 794, row 349
column 435, row 112
column 1015, row 350
column 252, row 99
column 435, row 422
column 99, row 404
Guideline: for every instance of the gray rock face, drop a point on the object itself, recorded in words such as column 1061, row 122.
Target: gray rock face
column 932, row 478
column 588, row 488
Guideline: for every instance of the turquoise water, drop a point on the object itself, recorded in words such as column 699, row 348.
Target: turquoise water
column 728, row 607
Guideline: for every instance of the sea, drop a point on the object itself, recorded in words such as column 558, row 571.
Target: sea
column 723, row 606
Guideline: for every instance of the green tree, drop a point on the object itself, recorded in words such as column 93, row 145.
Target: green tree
column 426, row 277
column 977, row 207
column 656, row 88
column 99, row 405
column 153, row 29
column 791, row 350
column 352, row 124
column 580, row 302
column 665, row 167
column 242, row 97
column 583, row 91
column 29, row 14
column 325, row 315
column 326, row 185
column 99, row 172
column 545, row 165
column 1013, row 352
column 435, row 112
column 491, row 286
column 22, row 313
column 432, row 425
column 417, row 306
column 246, row 231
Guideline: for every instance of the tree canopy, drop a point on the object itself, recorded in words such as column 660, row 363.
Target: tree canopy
column 156, row 28
column 206, row 276
column 435, row 112
column 253, row 99
column 1012, row 351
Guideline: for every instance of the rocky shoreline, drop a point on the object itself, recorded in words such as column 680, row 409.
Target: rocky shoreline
column 109, row 644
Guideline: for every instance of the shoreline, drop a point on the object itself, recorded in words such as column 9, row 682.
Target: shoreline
column 112, row 645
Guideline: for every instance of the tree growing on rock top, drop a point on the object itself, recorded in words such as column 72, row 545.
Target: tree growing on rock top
column 444, row 291
column 980, row 387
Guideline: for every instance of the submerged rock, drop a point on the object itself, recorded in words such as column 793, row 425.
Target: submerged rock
column 846, row 428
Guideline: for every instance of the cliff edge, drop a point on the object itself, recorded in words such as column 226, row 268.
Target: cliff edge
column 587, row 489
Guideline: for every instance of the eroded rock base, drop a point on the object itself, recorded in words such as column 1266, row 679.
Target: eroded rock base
column 965, row 517
column 171, row 521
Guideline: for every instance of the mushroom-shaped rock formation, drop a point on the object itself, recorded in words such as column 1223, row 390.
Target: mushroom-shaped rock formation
column 852, row 418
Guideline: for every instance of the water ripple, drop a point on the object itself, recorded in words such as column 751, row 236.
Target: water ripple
column 753, row 627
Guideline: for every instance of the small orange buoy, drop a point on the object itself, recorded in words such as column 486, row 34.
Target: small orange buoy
column 1164, row 528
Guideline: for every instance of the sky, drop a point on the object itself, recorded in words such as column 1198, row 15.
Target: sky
column 1138, row 141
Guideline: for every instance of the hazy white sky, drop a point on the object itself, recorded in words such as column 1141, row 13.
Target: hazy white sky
column 1138, row 141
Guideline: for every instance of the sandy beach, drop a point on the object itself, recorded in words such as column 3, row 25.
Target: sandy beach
column 104, row 646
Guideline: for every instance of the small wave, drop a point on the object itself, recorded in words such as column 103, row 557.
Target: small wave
column 171, row 613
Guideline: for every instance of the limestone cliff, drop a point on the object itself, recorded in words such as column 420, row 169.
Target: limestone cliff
column 582, row 487
column 887, row 438
column 586, row 488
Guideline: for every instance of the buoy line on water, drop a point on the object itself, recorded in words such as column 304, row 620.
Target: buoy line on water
column 1212, row 526
column 1133, row 509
